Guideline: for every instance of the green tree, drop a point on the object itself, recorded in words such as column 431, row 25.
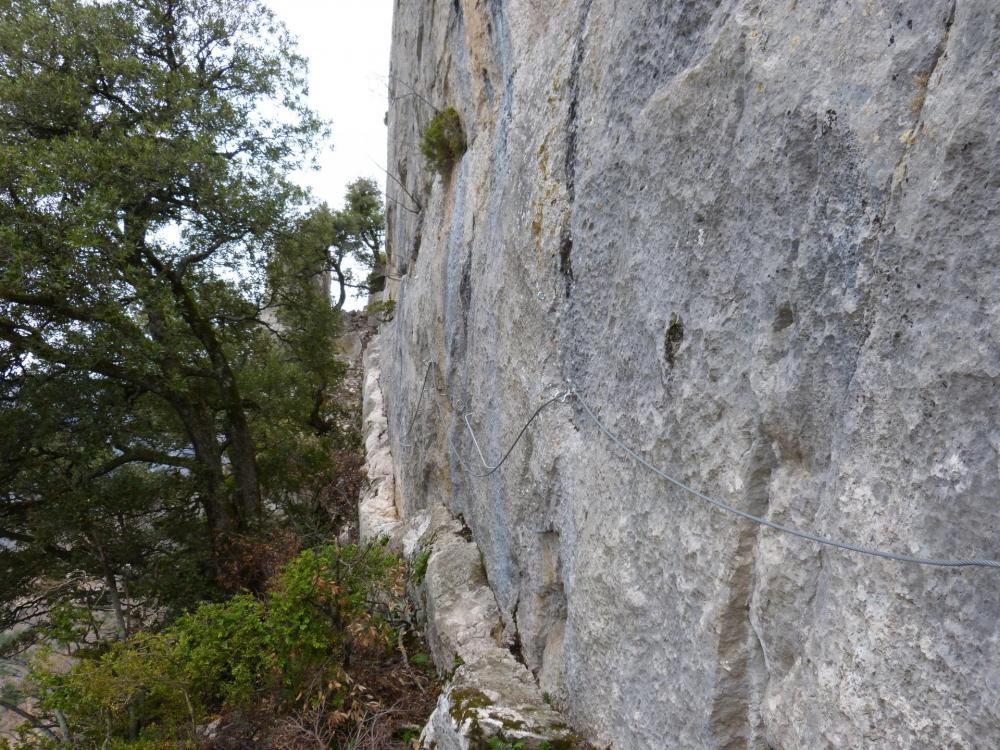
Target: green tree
column 324, row 241
column 136, row 166
column 145, row 148
column 359, row 226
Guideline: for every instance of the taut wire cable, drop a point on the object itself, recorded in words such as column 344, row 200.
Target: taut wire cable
column 642, row 461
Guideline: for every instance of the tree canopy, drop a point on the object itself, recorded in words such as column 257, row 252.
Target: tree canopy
column 177, row 446
column 148, row 419
column 330, row 239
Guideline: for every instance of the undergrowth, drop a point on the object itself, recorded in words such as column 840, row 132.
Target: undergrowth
column 319, row 660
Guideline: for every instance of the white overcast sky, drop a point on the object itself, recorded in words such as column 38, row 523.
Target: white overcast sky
column 347, row 44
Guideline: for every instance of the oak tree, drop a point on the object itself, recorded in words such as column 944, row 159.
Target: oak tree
column 145, row 153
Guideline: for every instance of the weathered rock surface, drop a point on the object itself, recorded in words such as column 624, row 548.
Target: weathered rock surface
column 378, row 515
column 490, row 694
column 761, row 239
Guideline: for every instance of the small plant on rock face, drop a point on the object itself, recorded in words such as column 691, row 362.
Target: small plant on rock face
column 382, row 311
column 443, row 141
column 420, row 566
column 495, row 743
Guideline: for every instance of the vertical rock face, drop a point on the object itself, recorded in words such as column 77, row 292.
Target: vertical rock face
column 761, row 240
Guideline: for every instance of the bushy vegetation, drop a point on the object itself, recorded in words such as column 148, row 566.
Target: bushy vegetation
column 324, row 636
column 443, row 142
column 383, row 310
column 175, row 427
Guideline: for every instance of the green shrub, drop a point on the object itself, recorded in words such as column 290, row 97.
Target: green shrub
column 221, row 650
column 383, row 311
column 156, row 687
column 153, row 690
column 329, row 602
column 443, row 141
column 135, row 690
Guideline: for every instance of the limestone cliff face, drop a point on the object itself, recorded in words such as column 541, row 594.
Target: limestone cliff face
column 763, row 240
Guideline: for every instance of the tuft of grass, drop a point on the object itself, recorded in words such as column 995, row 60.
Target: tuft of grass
column 420, row 566
column 920, row 82
column 420, row 660
column 495, row 743
column 443, row 142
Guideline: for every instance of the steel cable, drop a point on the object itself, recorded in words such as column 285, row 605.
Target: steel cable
column 960, row 563
column 492, row 469
column 416, row 409
column 638, row 458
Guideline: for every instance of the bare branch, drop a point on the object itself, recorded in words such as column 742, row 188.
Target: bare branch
column 35, row 721
column 391, row 176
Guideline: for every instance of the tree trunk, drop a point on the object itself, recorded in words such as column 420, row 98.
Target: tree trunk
column 342, row 285
column 242, row 451
column 243, row 459
column 110, row 580
column 199, row 423
column 35, row 721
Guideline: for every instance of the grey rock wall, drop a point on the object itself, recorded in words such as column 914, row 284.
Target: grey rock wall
column 761, row 239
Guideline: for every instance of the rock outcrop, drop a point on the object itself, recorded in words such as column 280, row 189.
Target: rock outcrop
column 761, row 240
column 490, row 693
column 378, row 515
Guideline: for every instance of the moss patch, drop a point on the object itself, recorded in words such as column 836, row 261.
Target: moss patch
column 465, row 701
